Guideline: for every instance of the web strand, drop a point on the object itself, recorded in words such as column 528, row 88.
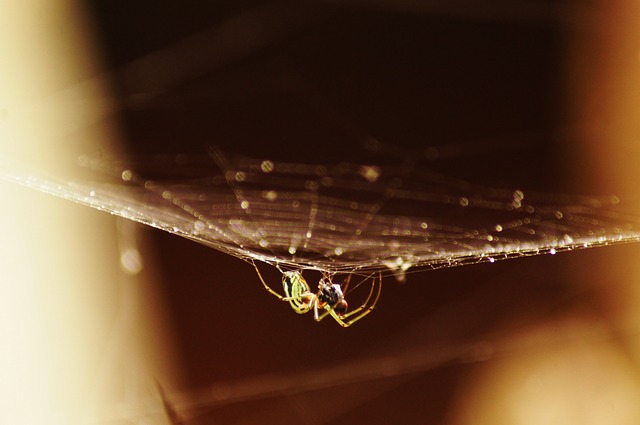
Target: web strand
column 345, row 217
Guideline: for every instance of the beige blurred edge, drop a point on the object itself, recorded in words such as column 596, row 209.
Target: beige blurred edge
column 70, row 320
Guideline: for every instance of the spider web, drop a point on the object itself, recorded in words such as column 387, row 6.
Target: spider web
column 345, row 217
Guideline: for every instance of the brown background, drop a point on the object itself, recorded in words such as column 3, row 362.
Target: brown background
column 310, row 81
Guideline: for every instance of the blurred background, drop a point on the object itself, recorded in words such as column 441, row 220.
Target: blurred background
column 109, row 323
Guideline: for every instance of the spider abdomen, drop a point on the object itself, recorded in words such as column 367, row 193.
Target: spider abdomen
column 296, row 291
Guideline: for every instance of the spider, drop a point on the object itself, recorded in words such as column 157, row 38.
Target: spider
column 329, row 297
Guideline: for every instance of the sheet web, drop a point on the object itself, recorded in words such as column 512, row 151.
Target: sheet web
column 343, row 217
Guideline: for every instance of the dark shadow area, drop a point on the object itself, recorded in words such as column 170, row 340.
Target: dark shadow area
column 318, row 82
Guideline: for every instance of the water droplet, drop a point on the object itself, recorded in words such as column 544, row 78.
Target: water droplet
column 131, row 261
column 263, row 243
column 552, row 251
column 244, row 205
column 199, row 226
column 240, row 176
column 270, row 195
column 464, row 201
column 401, row 226
column 492, row 260
column 399, row 267
column 498, row 228
column 92, row 193
column 127, row 175
column 424, row 225
column 267, row 166
column 308, row 234
column 338, row 251
column 292, row 250
column 369, row 173
column 489, row 238
column 166, row 194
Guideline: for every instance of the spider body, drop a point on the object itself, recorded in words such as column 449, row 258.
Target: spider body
column 330, row 294
column 295, row 290
column 327, row 300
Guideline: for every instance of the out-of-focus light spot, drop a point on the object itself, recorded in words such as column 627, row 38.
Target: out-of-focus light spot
column 131, row 261
column 270, row 195
column 370, row 173
column 267, row 166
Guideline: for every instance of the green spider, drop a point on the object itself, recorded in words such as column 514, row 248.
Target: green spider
column 328, row 300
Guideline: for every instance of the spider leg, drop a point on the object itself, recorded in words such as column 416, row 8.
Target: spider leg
column 361, row 310
column 309, row 295
column 314, row 304
column 271, row 291
column 371, row 295
column 327, row 310
column 345, row 287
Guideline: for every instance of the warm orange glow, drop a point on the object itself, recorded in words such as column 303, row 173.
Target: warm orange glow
column 562, row 373
column 578, row 368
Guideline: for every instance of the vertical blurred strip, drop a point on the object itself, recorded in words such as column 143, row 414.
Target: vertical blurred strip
column 604, row 97
column 53, row 97
column 580, row 365
column 603, row 82
column 63, row 356
column 604, row 74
